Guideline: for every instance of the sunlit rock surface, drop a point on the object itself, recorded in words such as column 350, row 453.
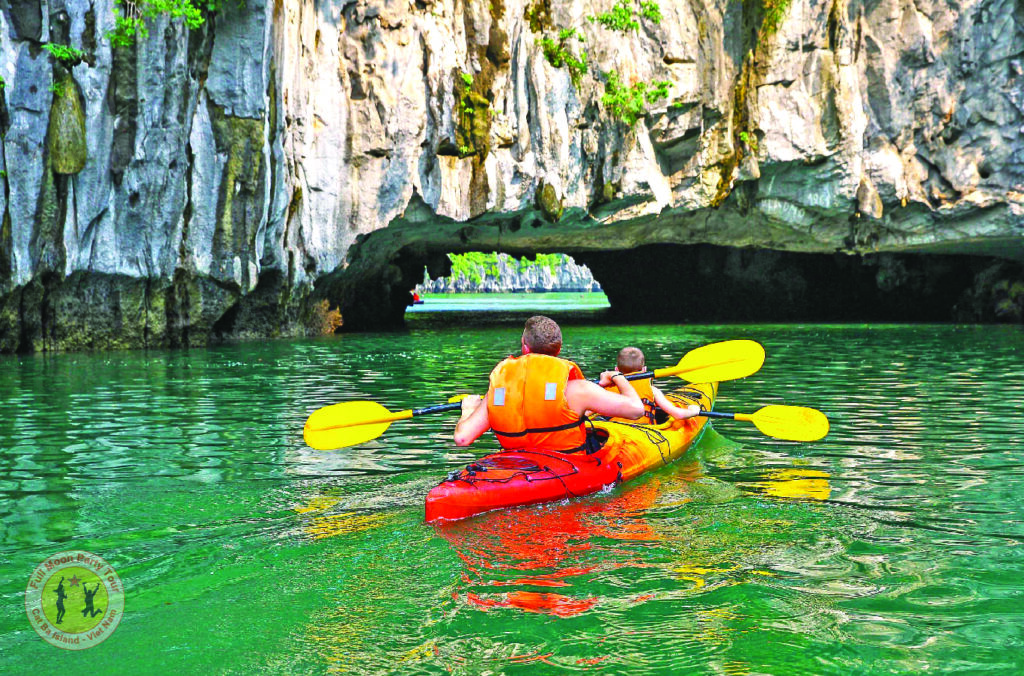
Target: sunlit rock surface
column 286, row 154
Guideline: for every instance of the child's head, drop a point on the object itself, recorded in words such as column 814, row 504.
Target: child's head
column 631, row 360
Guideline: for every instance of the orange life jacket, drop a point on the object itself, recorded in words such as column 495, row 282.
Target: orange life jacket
column 527, row 407
column 643, row 389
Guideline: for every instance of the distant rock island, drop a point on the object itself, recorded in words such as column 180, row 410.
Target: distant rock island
column 496, row 273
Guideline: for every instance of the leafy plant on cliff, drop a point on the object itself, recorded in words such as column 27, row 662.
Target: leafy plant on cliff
column 473, row 119
column 131, row 23
column 619, row 18
column 651, row 11
column 774, row 13
column 749, row 139
column 66, row 55
column 630, row 103
column 558, row 54
column 624, row 17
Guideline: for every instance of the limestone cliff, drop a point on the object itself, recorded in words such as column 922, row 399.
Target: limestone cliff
column 241, row 177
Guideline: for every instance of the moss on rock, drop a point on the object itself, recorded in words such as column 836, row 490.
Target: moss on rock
column 538, row 16
column 239, row 206
column 473, row 122
column 6, row 250
column 68, row 149
column 549, row 203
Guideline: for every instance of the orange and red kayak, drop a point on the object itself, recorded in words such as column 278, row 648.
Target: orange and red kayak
column 514, row 478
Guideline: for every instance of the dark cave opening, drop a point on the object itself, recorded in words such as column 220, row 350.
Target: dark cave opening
column 707, row 283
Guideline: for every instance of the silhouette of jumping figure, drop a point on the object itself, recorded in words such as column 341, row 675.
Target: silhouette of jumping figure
column 61, row 595
column 89, row 610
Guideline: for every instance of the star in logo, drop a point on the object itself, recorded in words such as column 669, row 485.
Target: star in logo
column 74, row 581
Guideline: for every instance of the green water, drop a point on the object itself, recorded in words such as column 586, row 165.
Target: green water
column 895, row 545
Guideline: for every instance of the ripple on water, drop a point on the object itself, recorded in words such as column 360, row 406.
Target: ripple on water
column 895, row 541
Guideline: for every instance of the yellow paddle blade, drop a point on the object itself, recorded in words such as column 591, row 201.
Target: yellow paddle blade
column 792, row 423
column 348, row 424
column 727, row 360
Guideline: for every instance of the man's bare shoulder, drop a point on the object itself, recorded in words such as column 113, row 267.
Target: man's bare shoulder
column 580, row 394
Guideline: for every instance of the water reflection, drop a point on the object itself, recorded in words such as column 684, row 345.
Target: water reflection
column 507, row 554
column 514, row 558
column 318, row 521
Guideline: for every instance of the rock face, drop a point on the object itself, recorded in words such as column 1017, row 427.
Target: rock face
column 283, row 159
column 509, row 276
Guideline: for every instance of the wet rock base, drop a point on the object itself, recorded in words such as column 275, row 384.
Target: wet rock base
column 700, row 283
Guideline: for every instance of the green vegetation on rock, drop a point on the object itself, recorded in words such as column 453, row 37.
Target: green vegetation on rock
column 774, row 13
column 630, row 103
column 651, row 11
column 558, row 54
column 771, row 14
column 749, row 139
column 131, row 23
column 476, row 266
column 473, row 120
column 625, row 103
column 66, row 55
column 624, row 17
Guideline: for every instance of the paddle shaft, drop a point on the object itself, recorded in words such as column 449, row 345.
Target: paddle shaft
column 393, row 417
column 639, row 375
column 440, row 408
column 732, row 416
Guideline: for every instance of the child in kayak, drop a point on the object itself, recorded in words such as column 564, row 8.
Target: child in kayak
column 631, row 360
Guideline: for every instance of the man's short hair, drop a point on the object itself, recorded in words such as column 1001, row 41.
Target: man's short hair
column 542, row 335
column 631, row 359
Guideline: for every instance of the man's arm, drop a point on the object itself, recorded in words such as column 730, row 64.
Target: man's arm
column 474, row 420
column 675, row 411
column 583, row 395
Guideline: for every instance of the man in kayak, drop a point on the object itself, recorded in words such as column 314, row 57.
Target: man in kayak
column 537, row 400
column 632, row 360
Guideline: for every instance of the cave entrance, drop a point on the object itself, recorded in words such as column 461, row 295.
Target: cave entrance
column 479, row 281
column 699, row 283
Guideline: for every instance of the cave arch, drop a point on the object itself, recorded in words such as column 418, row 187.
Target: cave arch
column 708, row 283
